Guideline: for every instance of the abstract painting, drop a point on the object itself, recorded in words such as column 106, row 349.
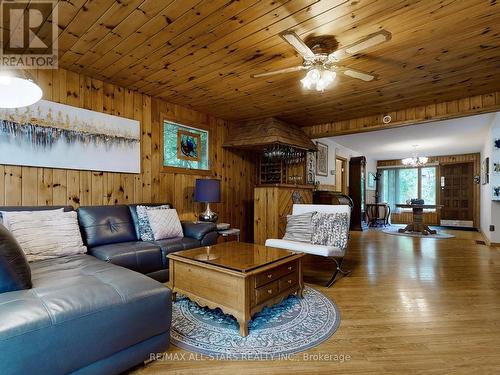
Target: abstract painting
column 322, row 159
column 53, row 135
column 184, row 146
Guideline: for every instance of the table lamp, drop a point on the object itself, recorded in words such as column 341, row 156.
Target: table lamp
column 207, row 191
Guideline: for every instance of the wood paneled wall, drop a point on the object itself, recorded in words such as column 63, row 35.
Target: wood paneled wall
column 467, row 106
column 48, row 186
column 272, row 206
column 434, row 218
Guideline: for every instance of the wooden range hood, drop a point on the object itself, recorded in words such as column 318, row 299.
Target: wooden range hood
column 257, row 134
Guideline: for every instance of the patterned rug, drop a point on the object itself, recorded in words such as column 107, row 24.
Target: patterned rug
column 394, row 231
column 290, row 327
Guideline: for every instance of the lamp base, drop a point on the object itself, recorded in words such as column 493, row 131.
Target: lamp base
column 208, row 215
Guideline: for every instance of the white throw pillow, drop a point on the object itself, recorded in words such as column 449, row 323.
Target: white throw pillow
column 45, row 235
column 4, row 215
column 165, row 223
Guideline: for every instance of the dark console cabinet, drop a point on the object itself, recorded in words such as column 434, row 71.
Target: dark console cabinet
column 357, row 192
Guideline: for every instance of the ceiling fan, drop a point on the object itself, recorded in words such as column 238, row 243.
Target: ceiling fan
column 321, row 56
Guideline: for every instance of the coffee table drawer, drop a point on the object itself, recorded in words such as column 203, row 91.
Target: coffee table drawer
column 288, row 281
column 267, row 291
column 275, row 274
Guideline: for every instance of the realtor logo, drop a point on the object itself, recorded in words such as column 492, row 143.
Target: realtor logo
column 29, row 34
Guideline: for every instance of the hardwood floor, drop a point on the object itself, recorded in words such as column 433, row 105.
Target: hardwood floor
column 420, row 306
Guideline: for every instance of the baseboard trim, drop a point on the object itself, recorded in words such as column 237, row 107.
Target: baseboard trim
column 488, row 242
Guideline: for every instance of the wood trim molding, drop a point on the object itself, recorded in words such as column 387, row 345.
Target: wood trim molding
column 468, row 106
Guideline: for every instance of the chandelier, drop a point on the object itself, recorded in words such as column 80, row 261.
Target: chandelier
column 415, row 160
column 318, row 78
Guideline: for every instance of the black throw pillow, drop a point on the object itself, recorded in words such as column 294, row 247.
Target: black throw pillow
column 15, row 272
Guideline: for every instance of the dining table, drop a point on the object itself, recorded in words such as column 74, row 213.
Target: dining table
column 418, row 226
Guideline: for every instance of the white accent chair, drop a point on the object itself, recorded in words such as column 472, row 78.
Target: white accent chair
column 334, row 253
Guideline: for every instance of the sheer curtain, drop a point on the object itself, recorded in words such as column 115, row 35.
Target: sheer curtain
column 398, row 185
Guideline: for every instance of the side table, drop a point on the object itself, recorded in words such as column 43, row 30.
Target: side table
column 230, row 232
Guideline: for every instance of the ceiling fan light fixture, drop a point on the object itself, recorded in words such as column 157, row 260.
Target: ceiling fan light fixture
column 18, row 90
column 318, row 79
column 359, row 75
column 294, row 40
column 368, row 43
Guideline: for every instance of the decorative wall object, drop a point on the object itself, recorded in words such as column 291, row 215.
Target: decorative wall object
column 496, row 167
column 496, row 193
column 311, row 167
column 184, row 146
column 48, row 134
column 496, row 144
column 485, row 171
column 322, row 159
column 372, row 178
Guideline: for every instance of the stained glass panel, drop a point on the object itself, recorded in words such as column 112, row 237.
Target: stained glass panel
column 184, row 146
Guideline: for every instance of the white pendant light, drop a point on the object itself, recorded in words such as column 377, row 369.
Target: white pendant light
column 17, row 89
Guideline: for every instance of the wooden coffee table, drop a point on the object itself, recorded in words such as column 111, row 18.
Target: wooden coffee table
column 239, row 278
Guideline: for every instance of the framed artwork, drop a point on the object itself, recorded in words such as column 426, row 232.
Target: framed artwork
column 185, row 146
column 485, row 171
column 53, row 135
column 322, row 159
column 371, row 180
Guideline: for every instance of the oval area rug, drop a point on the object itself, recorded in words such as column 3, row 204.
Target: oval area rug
column 395, row 232
column 292, row 326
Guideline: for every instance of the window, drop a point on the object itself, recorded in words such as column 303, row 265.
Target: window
column 398, row 185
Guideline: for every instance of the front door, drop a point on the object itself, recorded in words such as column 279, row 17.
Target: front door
column 456, row 194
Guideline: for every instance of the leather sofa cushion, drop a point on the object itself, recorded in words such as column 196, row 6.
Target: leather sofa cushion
column 79, row 311
column 171, row 245
column 103, row 225
column 15, row 273
column 143, row 257
column 197, row 230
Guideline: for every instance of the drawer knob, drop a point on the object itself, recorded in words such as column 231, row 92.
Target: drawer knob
column 269, row 276
column 289, row 268
column 270, row 291
column 289, row 281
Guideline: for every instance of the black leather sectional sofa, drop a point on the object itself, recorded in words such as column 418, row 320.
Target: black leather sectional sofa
column 111, row 233
column 86, row 316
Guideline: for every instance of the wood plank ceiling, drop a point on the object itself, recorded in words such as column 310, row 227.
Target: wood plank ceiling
column 200, row 53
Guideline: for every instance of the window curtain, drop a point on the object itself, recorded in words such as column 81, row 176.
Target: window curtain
column 398, row 185
column 388, row 188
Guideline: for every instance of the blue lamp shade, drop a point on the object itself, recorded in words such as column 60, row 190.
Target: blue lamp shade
column 207, row 190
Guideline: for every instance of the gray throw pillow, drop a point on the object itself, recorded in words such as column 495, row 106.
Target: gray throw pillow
column 15, row 272
column 330, row 229
column 145, row 230
column 299, row 227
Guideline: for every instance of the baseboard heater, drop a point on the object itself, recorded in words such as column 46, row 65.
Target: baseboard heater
column 456, row 223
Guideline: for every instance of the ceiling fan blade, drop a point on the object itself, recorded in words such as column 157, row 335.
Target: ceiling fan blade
column 358, row 74
column 280, row 71
column 363, row 44
column 298, row 44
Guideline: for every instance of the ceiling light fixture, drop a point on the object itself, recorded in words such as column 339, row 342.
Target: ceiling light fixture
column 18, row 89
column 318, row 78
column 415, row 161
